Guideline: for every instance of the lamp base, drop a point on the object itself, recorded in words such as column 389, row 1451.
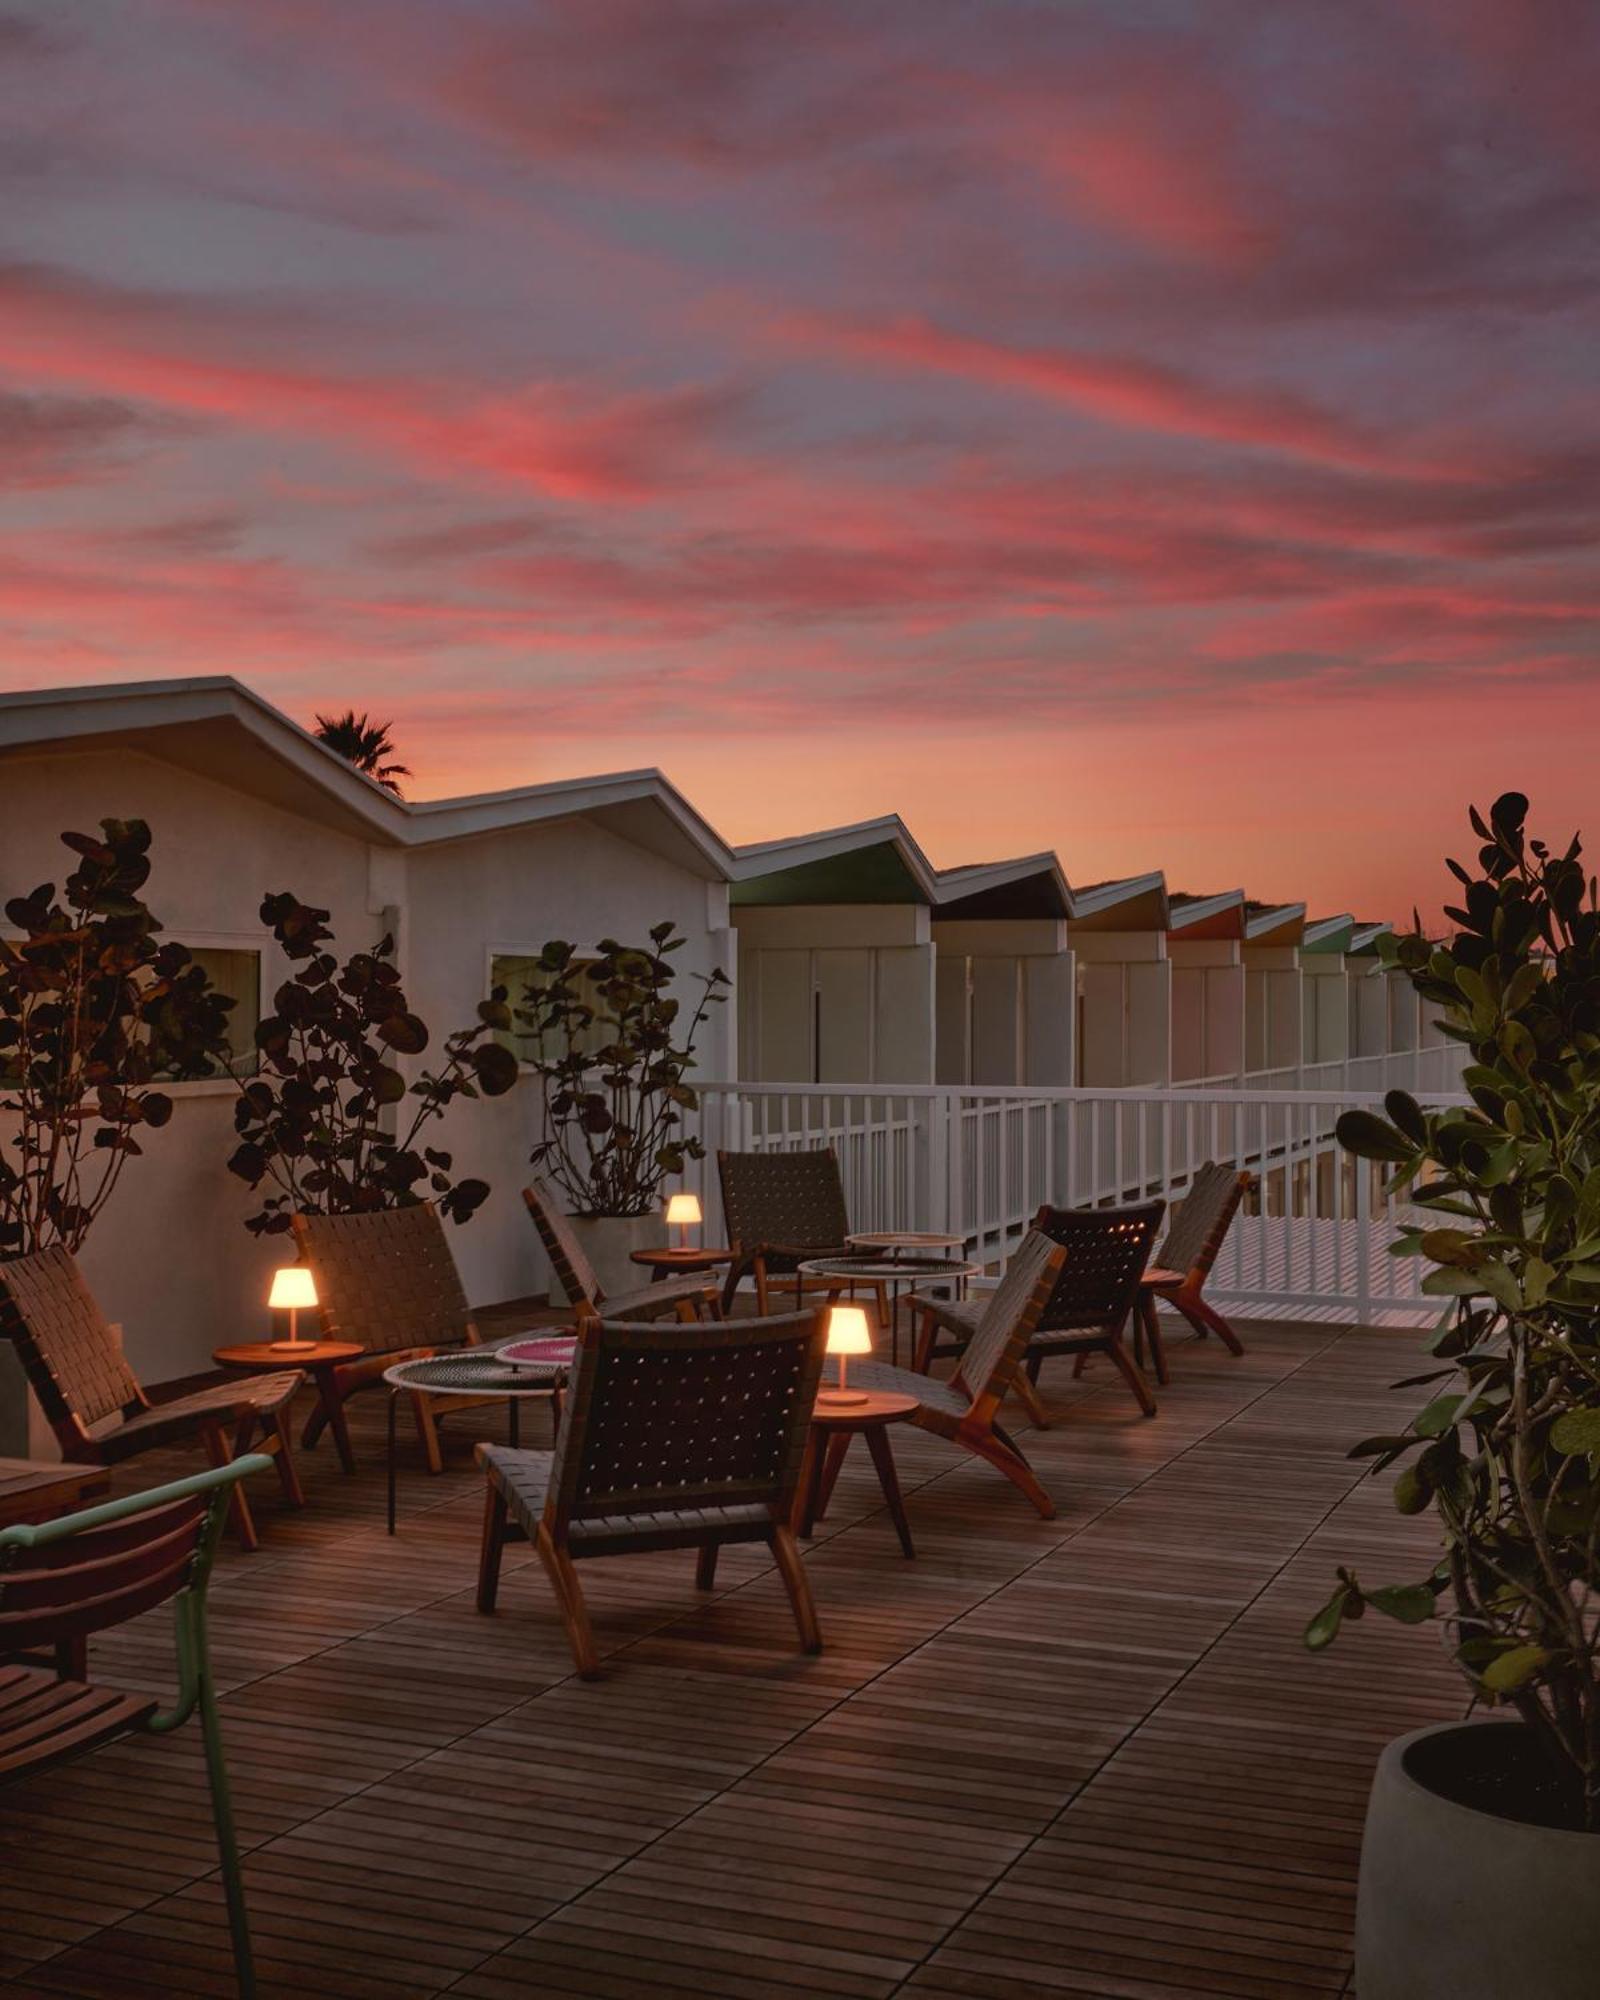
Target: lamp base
column 840, row 1399
column 291, row 1346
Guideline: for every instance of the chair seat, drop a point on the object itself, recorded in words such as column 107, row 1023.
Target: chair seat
column 957, row 1316
column 43, row 1719
column 659, row 1297
column 259, row 1396
column 1084, row 1336
column 523, row 1479
column 928, row 1389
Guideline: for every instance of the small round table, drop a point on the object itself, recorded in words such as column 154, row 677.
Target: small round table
column 318, row 1358
column 482, row 1378
column 833, row 1425
column 906, row 1242
column 899, row 1274
column 677, row 1263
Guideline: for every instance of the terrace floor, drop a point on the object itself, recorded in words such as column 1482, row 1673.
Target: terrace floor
column 1045, row 1760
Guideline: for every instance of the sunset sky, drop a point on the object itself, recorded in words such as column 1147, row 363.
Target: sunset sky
column 1168, row 433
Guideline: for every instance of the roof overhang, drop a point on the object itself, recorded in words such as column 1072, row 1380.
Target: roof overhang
column 1274, row 923
column 1030, row 886
column 1197, row 918
column 874, row 861
column 223, row 731
column 1364, row 939
column 1133, row 903
column 1328, row 934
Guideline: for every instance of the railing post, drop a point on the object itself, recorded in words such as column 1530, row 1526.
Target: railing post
column 934, row 1114
column 1363, row 1170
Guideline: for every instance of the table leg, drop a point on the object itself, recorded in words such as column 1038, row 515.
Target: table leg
column 394, row 1397
column 513, row 1421
column 832, row 1465
column 806, row 1494
column 333, row 1412
column 888, row 1479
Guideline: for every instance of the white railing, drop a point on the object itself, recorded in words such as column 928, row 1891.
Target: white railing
column 1313, row 1239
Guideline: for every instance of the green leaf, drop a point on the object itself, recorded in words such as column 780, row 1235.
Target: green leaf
column 1513, row 1669
column 1410, row 1603
column 1411, row 1491
column 1372, row 1138
column 1576, row 1433
column 1323, row 1628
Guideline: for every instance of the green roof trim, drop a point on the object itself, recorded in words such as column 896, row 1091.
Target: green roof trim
column 874, row 874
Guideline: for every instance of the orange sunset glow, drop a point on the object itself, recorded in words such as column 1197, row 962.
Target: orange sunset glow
column 1160, row 433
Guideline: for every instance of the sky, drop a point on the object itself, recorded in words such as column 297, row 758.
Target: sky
column 1167, row 433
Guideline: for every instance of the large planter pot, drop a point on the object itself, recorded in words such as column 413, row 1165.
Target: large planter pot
column 1460, row 1903
column 607, row 1241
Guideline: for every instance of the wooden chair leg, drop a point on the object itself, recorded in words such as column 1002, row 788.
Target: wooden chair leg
column 288, row 1471
column 705, row 1567
column 1030, row 1399
column 1080, row 1361
column 428, row 1432
column 763, row 1305
column 1203, row 1316
column 563, row 1577
column 1133, row 1375
column 798, row 1585
column 927, row 1338
column 216, row 1444
column 985, row 1445
column 883, row 1458
column 492, row 1547
column 1149, row 1319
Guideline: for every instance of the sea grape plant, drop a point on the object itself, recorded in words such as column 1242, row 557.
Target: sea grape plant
column 611, row 1049
column 95, row 1013
column 1507, row 1450
column 325, row 1118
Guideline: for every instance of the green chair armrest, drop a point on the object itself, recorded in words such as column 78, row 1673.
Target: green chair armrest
column 36, row 1535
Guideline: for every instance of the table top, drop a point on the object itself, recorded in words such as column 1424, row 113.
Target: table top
column 306, row 1354
column 905, row 1239
column 32, row 1488
column 681, row 1259
column 919, row 1269
column 1156, row 1275
column 878, row 1406
column 461, row 1375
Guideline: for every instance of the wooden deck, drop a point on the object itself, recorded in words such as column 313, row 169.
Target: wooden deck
column 1046, row 1760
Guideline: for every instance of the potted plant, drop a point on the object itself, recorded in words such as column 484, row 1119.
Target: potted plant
column 321, row 1118
column 1480, row 1871
column 609, row 1046
column 95, row 1013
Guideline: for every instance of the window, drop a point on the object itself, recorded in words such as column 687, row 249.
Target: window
column 516, row 972
column 237, row 973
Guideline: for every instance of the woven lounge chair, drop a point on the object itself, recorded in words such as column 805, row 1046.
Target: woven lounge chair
column 1098, row 1292
column 94, row 1402
column 86, row 1573
column 687, row 1297
column 1195, row 1234
column 781, row 1209
column 966, row 1409
column 387, row 1281
column 673, row 1437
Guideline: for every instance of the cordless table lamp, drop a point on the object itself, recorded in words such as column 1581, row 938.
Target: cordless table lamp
column 292, row 1288
column 848, row 1333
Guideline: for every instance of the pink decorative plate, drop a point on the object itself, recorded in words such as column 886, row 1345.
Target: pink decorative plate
column 556, row 1352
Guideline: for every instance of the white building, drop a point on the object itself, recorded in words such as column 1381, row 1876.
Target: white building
column 1118, row 937
column 836, row 957
column 240, row 801
column 1274, row 1013
column 1205, row 942
column 1007, row 1005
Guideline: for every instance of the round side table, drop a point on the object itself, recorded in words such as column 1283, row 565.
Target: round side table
column 894, row 1276
column 318, row 1358
column 477, row 1376
column 833, row 1425
column 678, row 1262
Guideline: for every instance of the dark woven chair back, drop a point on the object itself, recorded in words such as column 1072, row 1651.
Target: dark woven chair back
column 795, row 1200
column 1200, row 1221
column 574, row 1273
column 72, row 1356
column 1107, row 1250
column 386, row 1279
column 997, row 1346
column 665, row 1419
column 100, row 1578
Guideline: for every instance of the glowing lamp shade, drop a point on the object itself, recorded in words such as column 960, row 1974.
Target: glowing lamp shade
column 683, row 1211
column 848, row 1333
column 292, row 1288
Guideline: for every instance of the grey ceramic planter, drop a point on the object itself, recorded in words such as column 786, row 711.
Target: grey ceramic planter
column 610, row 1240
column 1456, row 1904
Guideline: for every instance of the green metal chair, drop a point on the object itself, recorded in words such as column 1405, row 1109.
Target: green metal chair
column 63, row 1580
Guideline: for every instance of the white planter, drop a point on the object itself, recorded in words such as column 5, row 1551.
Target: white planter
column 1460, row 1904
column 607, row 1241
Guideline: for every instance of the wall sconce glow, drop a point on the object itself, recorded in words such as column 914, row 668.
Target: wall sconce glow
column 848, row 1333
column 292, row 1288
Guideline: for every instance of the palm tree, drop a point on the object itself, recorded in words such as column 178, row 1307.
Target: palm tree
column 364, row 743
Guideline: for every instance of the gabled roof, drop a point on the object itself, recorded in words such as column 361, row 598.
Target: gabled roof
column 1218, row 915
column 1274, row 923
column 1131, row 903
column 1032, row 885
column 1328, row 934
column 1364, row 939
column 874, row 861
column 224, row 731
